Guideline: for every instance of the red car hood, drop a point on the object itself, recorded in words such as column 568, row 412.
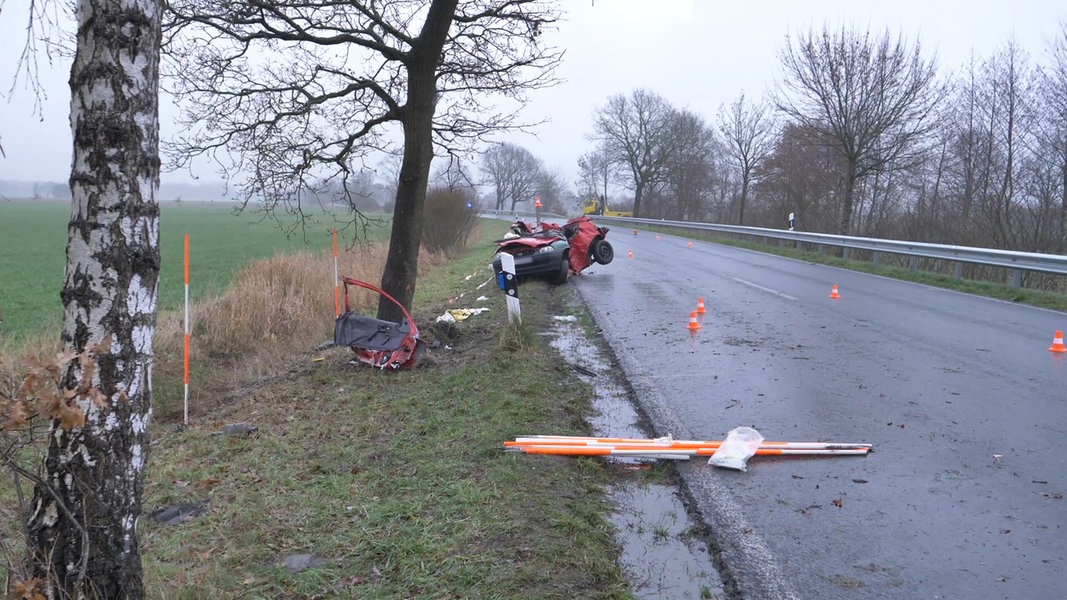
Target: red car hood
column 526, row 242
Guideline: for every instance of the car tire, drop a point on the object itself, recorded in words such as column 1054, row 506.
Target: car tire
column 564, row 271
column 603, row 253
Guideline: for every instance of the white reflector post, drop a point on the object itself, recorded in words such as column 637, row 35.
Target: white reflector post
column 510, row 284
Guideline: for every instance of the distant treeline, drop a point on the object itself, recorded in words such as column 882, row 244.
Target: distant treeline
column 54, row 190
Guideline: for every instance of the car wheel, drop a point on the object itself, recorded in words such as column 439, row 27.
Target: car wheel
column 603, row 253
column 564, row 271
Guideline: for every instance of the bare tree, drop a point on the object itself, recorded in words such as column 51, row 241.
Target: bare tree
column 83, row 527
column 799, row 177
column 636, row 130
column 453, row 175
column 513, row 172
column 44, row 38
column 280, row 92
column 551, row 188
column 989, row 127
column 595, row 170
column 687, row 179
column 869, row 98
column 1054, row 130
column 749, row 133
column 1005, row 98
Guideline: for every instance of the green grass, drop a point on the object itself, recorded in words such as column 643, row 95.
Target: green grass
column 398, row 479
column 33, row 238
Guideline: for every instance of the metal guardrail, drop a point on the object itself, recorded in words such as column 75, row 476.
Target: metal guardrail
column 1017, row 261
column 1027, row 261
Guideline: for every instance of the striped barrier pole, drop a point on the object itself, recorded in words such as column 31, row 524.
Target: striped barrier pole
column 185, row 376
column 336, row 279
column 682, row 453
column 667, row 443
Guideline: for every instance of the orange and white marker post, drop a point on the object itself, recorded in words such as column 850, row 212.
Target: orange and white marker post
column 186, row 369
column 336, row 279
column 669, row 448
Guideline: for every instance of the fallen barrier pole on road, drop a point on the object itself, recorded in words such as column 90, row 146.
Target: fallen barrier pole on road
column 669, row 448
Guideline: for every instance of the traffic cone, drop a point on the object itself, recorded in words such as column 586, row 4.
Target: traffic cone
column 630, row 254
column 657, row 238
column 700, row 306
column 1057, row 343
column 693, row 325
column 690, row 244
column 833, row 293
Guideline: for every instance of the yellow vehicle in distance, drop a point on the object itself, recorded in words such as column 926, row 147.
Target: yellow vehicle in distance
column 594, row 206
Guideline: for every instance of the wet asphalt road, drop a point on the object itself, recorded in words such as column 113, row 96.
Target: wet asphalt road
column 965, row 405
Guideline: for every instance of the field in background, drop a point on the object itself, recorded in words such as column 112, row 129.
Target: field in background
column 33, row 239
column 394, row 482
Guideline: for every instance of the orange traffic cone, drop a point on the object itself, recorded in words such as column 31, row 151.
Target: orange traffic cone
column 630, row 254
column 693, row 325
column 700, row 306
column 690, row 244
column 834, row 294
column 1057, row 343
column 657, row 237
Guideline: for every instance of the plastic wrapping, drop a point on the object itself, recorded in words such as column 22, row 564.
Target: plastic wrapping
column 739, row 446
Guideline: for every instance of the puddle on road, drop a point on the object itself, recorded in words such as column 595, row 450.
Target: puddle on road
column 661, row 556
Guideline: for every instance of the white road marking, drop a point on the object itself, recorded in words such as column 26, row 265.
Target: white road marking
column 760, row 287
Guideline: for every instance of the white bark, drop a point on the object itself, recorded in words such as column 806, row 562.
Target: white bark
column 85, row 528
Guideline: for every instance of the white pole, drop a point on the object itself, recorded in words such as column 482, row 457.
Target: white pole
column 185, row 417
column 509, row 284
column 336, row 278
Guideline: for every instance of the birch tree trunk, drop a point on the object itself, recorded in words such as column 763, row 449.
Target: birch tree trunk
column 83, row 527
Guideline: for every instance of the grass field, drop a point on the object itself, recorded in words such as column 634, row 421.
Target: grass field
column 33, row 238
column 395, row 482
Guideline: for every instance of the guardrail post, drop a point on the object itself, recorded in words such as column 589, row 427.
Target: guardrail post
column 1016, row 278
column 912, row 262
column 959, row 271
column 845, row 252
column 876, row 258
column 822, row 249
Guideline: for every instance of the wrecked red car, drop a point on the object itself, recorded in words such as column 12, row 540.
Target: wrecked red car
column 553, row 251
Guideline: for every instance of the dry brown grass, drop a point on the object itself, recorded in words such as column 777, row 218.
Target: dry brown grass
column 37, row 348
column 276, row 311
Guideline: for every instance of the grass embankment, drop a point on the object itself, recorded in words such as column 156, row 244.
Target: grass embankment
column 396, row 481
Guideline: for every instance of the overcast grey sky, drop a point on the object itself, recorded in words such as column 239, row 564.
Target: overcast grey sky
column 698, row 54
